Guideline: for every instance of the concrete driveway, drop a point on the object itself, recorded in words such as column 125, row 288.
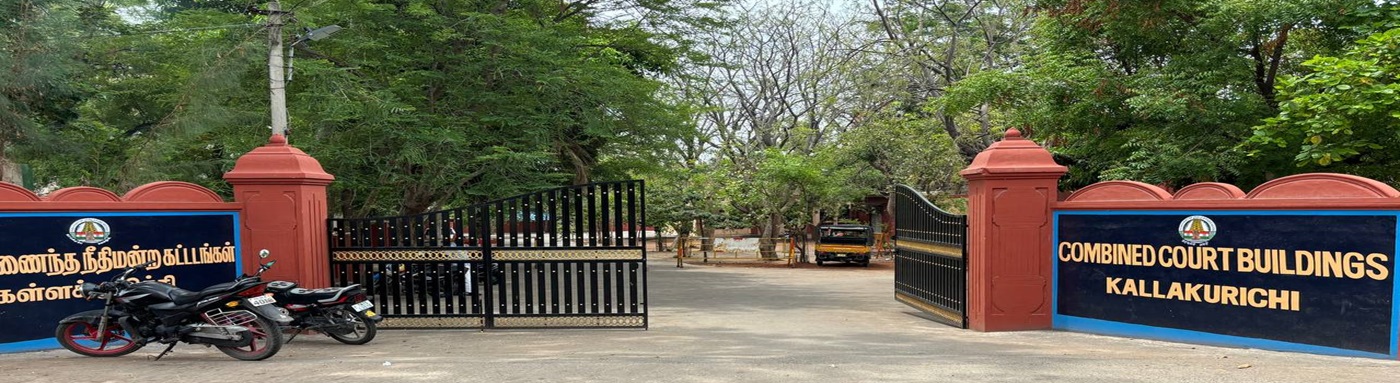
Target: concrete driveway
column 726, row 324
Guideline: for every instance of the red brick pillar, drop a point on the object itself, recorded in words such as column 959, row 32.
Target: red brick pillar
column 283, row 192
column 1011, row 188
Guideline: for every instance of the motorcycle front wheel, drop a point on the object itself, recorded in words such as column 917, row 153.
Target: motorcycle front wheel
column 82, row 338
column 267, row 340
column 363, row 330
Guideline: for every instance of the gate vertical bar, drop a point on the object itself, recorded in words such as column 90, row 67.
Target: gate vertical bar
column 483, row 235
column 642, row 266
column 554, row 217
column 618, row 220
column 963, row 272
column 592, row 197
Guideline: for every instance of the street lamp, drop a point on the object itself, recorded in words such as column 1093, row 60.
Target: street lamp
column 276, row 70
column 317, row 34
column 310, row 35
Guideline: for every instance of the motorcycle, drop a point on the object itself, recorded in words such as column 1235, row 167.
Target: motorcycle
column 235, row 317
column 342, row 313
column 404, row 277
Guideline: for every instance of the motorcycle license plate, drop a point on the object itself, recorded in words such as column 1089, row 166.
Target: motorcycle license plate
column 362, row 306
column 261, row 300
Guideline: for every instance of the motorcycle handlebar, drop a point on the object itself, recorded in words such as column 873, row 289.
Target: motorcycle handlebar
column 262, row 267
column 265, row 266
column 131, row 269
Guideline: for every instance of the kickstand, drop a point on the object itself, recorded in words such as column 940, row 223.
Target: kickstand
column 294, row 336
column 167, row 350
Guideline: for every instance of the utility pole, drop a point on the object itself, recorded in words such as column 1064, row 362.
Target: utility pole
column 275, row 68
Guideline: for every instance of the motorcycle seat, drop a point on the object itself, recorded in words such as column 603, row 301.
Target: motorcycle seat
column 181, row 296
column 280, row 287
column 322, row 295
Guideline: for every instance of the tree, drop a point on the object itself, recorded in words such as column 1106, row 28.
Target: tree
column 785, row 189
column 1160, row 92
column 776, row 96
column 416, row 105
column 777, row 84
column 1344, row 113
column 36, row 59
column 900, row 150
column 932, row 45
column 156, row 103
column 515, row 95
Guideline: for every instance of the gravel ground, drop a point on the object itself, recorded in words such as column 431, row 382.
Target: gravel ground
column 727, row 323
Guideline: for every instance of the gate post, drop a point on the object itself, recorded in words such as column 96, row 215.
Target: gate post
column 1011, row 188
column 283, row 192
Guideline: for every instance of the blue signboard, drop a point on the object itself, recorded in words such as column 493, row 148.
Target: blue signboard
column 1311, row 281
column 44, row 257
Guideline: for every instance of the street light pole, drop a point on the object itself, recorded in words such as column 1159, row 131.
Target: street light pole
column 310, row 35
column 277, row 80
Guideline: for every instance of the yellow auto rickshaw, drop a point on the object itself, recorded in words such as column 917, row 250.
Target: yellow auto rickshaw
column 844, row 243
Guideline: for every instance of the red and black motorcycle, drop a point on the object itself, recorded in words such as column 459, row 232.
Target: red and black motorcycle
column 236, row 317
column 342, row 313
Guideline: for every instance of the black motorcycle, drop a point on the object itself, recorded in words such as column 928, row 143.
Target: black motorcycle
column 235, row 317
column 342, row 313
column 445, row 280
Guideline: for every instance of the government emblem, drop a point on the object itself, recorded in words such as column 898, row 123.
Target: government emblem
column 89, row 231
column 1196, row 230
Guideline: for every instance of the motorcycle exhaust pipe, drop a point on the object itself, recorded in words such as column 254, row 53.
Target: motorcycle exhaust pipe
column 204, row 330
column 204, row 333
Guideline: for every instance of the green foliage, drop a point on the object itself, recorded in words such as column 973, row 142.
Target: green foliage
column 1161, row 92
column 785, row 188
column 757, row 114
column 930, row 56
column 509, row 97
column 892, row 149
column 676, row 198
column 36, row 57
column 767, row 100
column 415, row 105
column 156, row 105
column 1344, row 113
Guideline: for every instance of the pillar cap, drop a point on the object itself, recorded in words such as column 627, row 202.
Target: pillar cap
column 1014, row 156
column 278, row 162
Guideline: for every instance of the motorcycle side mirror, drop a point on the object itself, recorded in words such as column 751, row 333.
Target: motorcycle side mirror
column 263, row 253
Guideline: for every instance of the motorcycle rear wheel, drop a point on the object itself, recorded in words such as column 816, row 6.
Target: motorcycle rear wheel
column 267, row 340
column 81, row 338
column 364, row 329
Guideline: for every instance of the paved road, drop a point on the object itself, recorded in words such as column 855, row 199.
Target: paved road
column 727, row 324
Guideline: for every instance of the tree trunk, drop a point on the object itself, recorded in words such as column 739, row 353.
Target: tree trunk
column 767, row 249
column 346, row 201
column 579, row 159
column 707, row 237
column 4, row 161
column 811, row 229
column 415, row 201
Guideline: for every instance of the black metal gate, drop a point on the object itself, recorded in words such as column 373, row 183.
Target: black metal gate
column 571, row 257
column 930, row 264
